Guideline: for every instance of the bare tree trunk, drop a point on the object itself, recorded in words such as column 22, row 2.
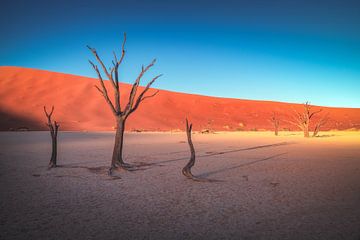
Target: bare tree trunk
column 275, row 121
column 316, row 131
column 187, row 169
column 276, row 130
column 306, row 130
column 52, row 162
column 276, row 127
column 53, row 128
column 117, row 160
column 319, row 124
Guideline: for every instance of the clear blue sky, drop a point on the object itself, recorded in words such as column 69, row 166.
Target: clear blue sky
column 291, row 51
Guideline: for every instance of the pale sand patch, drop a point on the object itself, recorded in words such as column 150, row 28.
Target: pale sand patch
column 284, row 187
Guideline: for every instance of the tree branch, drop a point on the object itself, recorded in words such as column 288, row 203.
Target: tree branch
column 109, row 75
column 149, row 96
column 93, row 50
column 142, row 94
column 312, row 114
column 104, row 90
column 133, row 91
column 295, row 124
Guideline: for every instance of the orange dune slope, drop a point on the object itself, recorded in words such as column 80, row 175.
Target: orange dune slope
column 80, row 107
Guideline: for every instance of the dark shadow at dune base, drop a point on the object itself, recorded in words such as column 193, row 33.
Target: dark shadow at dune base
column 13, row 122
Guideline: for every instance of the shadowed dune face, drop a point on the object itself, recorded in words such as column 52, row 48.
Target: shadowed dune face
column 79, row 106
column 12, row 122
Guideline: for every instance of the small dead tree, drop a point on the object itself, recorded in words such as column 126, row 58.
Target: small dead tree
column 187, row 169
column 53, row 127
column 302, row 120
column 319, row 124
column 276, row 122
column 121, row 114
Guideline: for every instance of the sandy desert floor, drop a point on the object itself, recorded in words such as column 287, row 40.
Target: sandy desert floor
column 267, row 187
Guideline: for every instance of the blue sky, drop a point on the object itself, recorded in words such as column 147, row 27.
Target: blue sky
column 291, row 51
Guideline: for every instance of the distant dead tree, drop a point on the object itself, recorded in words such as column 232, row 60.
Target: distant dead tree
column 133, row 103
column 319, row 124
column 302, row 120
column 187, row 169
column 276, row 122
column 53, row 127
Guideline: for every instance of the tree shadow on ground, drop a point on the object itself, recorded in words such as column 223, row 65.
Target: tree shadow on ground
column 326, row 135
column 209, row 154
column 141, row 166
column 102, row 170
column 203, row 179
column 204, row 175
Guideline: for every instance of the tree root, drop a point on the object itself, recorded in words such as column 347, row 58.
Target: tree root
column 52, row 165
column 126, row 167
column 187, row 173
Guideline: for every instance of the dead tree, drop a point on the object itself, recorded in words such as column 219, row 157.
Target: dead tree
column 187, row 169
column 121, row 114
column 302, row 120
column 53, row 127
column 275, row 121
column 319, row 124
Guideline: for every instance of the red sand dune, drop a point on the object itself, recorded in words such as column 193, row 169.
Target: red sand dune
column 79, row 106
